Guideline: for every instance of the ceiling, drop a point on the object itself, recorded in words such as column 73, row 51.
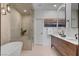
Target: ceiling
column 20, row 7
column 46, row 6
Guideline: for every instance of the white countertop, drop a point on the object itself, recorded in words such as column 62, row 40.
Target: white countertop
column 69, row 39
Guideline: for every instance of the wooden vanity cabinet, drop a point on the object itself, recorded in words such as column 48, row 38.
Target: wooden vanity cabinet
column 78, row 50
column 53, row 40
column 64, row 47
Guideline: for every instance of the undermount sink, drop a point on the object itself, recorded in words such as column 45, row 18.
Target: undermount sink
column 68, row 38
column 71, row 38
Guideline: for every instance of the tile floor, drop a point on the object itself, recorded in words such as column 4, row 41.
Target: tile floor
column 38, row 50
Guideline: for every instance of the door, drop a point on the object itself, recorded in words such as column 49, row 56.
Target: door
column 39, row 31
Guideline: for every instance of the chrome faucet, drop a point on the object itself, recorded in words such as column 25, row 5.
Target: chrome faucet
column 76, row 36
column 62, row 33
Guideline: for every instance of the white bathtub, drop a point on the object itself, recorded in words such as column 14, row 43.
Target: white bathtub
column 11, row 49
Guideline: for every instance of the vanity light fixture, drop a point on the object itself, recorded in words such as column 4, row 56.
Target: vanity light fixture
column 5, row 8
column 3, row 11
column 8, row 8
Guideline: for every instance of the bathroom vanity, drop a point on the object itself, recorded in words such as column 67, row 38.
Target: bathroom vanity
column 65, row 46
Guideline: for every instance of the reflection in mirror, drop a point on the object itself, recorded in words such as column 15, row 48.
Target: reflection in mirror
column 58, row 18
column 62, row 16
column 74, row 15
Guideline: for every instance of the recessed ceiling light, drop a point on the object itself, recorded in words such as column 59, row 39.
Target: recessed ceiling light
column 25, row 10
column 55, row 5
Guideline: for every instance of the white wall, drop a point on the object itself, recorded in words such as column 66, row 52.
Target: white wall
column 27, row 24
column 5, row 27
column 15, row 21
column 10, row 26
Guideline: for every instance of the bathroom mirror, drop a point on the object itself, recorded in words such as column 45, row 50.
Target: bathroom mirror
column 58, row 18
column 62, row 15
column 74, row 15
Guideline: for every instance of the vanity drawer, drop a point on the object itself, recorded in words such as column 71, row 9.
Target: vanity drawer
column 69, row 48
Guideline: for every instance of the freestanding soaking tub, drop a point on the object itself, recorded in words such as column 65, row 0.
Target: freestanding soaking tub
column 11, row 49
